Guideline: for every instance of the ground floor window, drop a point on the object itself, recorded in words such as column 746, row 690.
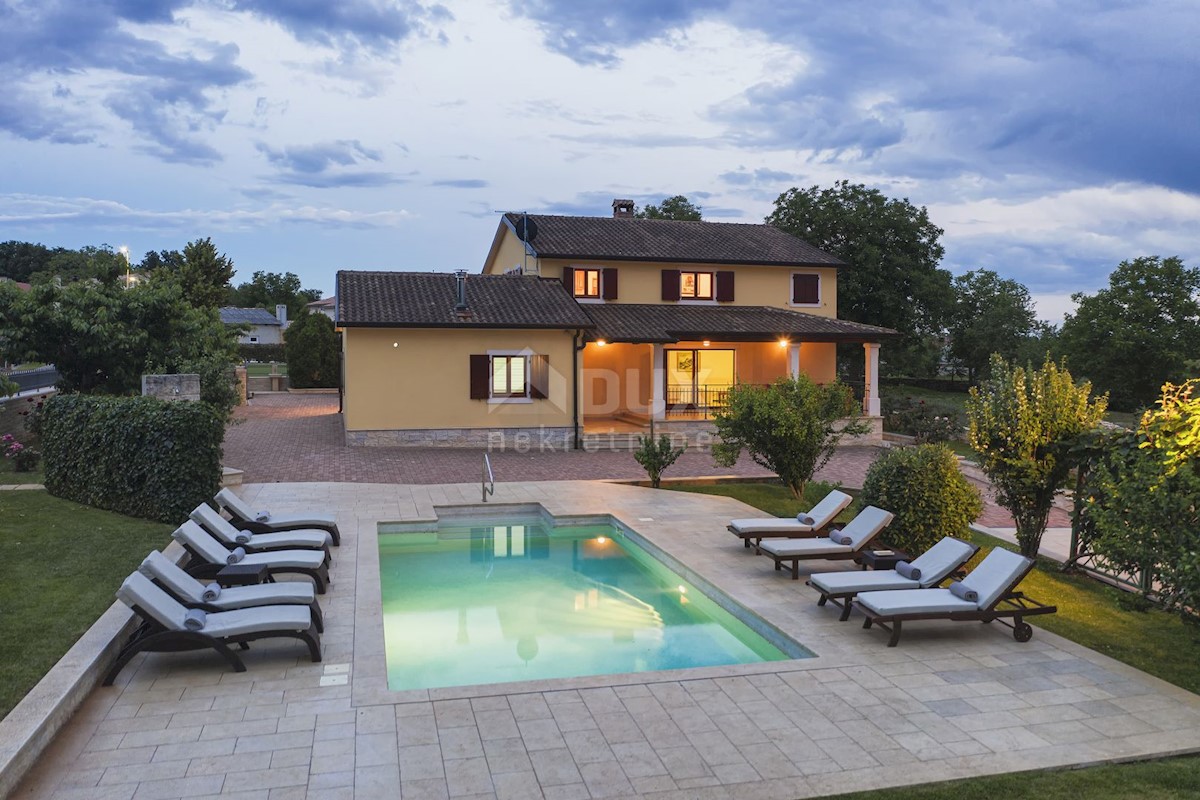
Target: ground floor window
column 699, row 379
column 509, row 374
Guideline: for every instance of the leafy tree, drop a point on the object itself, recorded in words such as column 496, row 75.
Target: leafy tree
column 677, row 207
column 205, row 274
column 790, row 427
column 163, row 259
column 99, row 263
column 924, row 488
column 1138, row 333
column 1173, row 429
column 991, row 315
column 893, row 251
column 268, row 289
column 103, row 337
column 19, row 260
column 311, row 345
column 656, row 456
column 1023, row 424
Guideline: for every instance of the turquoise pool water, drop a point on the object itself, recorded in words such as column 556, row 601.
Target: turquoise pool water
column 516, row 600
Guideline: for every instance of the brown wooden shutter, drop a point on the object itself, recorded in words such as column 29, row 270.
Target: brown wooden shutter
column 569, row 280
column 609, row 283
column 724, row 287
column 480, row 374
column 539, row 376
column 670, row 284
column 806, row 289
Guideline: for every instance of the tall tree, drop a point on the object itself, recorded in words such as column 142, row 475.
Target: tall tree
column 205, row 274
column 1137, row 334
column 311, row 345
column 19, row 260
column 677, row 207
column 163, row 259
column 991, row 315
column 268, row 289
column 892, row 249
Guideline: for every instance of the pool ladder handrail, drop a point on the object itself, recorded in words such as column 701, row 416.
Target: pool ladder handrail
column 488, row 484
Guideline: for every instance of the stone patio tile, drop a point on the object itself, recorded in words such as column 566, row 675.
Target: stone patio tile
column 453, row 713
column 683, row 762
column 516, row 785
column 588, row 747
column 422, row 789
column 468, row 776
column 541, row 734
column 554, row 767
column 739, row 729
column 1000, row 740
column 1119, row 725
column 1066, row 732
column 380, row 781
column 461, row 742
column 605, row 779
column 768, row 761
column 499, row 723
column 569, row 791
column 416, row 730
column 506, row 755
column 179, row 787
column 420, row 762
column 375, row 749
column 529, row 707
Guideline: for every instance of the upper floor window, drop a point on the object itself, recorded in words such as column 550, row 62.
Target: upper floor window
column 696, row 285
column 587, row 282
column 806, row 289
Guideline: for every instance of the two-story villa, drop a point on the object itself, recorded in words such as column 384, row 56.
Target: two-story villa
column 583, row 325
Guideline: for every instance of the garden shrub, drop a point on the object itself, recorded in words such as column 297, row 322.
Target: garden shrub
column 923, row 421
column 312, row 353
column 656, row 456
column 262, row 352
column 139, row 456
column 923, row 487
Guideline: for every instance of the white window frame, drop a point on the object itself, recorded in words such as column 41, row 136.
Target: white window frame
column 792, row 292
column 527, row 355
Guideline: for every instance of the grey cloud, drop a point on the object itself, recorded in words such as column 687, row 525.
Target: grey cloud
column 461, row 183
column 323, row 165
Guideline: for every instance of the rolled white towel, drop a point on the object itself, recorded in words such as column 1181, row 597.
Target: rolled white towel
column 235, row 555
column 907, row 570
column 211, row 592
column 262, row 516
column 194, row 619
column 242, row 537
column 805, row 519
column 958, row 590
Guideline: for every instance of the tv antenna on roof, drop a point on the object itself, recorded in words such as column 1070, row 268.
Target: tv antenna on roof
column 526, row 230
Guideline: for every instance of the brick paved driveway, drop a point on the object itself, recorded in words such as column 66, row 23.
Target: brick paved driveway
column 298, row 438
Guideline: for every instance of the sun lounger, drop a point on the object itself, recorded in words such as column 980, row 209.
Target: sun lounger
column 857, row 534
column 212, row 597
column 168, row 626
column 933, row 566
column 822, row 515
column 264, row 521
column 207, row 517
column 992, row 586
column 209, row 556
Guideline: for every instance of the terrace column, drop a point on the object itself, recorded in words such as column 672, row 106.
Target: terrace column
column 871, row 376
column 794, row 361
column 658, row 379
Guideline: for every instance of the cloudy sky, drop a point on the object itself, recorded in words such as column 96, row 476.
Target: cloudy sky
column 1049, row 139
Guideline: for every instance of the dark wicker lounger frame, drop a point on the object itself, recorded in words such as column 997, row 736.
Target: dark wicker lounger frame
column 843, row 600
column 318, row 617
column 758, row 536
column 153, row 637
column 1011, row 605
column 255, row 526
column 200, row 567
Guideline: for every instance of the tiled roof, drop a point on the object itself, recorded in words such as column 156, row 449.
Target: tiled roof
column 635, row 322
column 324, row 302
column 248, row 316
column 427, row 300
column 626, row 239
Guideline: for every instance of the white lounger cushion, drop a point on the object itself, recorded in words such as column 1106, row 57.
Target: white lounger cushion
column 159, row 567
column 914, row 601
column 853, row 581
column 227, row 499
column 139, row 590
column 822, row 514
column 995, row 574
column 195, row 537
column 940, row 560
column 222, row 528
column 804, row 547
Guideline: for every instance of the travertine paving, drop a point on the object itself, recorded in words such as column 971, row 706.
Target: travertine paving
column 953, row 700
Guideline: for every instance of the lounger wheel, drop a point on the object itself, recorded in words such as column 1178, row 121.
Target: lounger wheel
column 1022, row 631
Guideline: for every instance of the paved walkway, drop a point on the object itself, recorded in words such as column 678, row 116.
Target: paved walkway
column 953, row 700
column 298, row 437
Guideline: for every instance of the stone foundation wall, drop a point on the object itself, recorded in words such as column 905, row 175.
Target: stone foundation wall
column 519, row 440
column 172, row 387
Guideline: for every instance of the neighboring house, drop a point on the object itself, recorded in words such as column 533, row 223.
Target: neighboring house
column 326, row 306
column 594, row 322
column 263, row 327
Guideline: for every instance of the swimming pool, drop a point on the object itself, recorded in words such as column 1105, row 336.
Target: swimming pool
column 502, row 600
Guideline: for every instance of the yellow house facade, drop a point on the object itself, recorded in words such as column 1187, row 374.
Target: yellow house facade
column 585, row 325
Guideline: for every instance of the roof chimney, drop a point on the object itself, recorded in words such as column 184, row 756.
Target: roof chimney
column 281, row 314
column 460, row 307
column 622, row 209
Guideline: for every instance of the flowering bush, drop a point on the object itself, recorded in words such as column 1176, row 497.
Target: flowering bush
column 25, row 459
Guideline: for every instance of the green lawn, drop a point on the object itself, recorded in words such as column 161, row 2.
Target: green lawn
column 263, row 370
column 62, row 563
column 1090, row 613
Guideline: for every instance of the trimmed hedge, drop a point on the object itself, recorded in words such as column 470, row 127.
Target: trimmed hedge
column 924, row 488
column 140, row 456
column 262, row 352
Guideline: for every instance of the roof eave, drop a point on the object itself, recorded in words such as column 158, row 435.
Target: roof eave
column 664, row 260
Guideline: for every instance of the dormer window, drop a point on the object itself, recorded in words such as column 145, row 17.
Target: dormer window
column 695, row 285
column 587, row 283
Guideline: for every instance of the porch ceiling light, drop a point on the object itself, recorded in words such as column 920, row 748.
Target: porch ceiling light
column 600, row 343
column 783, row 342
column 707, row 342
